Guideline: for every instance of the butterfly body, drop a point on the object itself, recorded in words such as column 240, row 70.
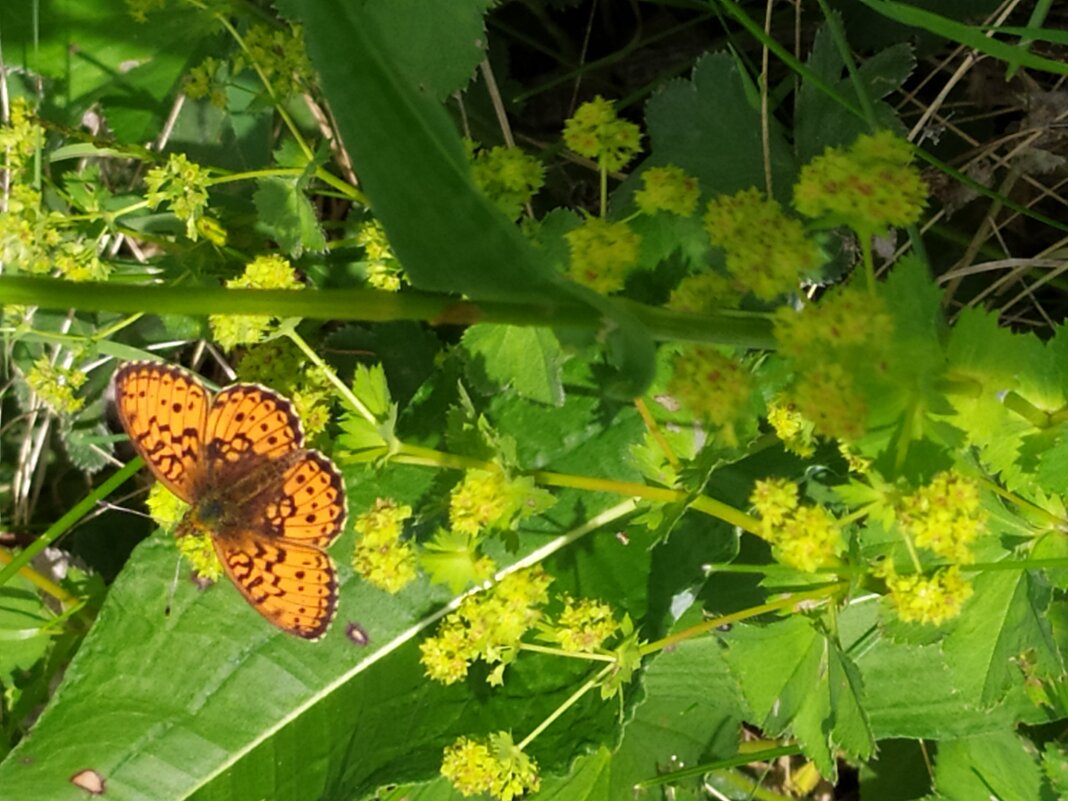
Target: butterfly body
column 270, row 505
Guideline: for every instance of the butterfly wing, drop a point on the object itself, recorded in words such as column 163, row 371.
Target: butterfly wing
column 306, row 504
column 164, row 410
column 291, row 584
column 248, row 426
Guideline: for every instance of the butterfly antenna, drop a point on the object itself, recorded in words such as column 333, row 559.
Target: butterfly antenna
column 174, row 588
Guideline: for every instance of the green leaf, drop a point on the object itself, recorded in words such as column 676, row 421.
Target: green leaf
column 288, row 216
column 822, row 121
column 690, row 712
column 793, row 676
column 998, row 765
column 694, row 124
column 450, row 559
column 23, row 636
column 1005, row 618
column 526, row 359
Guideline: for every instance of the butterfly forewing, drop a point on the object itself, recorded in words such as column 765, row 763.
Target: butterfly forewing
column 164, row 411
column 248, row 426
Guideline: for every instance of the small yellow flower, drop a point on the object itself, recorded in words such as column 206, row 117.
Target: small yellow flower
column 56, row 386
column 165, row 508
column 495, row 766
column 871, row 186
column 945, row 516
column 381, row 556
column 508, row 176
column 796, row 432
column 383, row 269
column 931, row 600
column 809, row 539
column 602, row 254
column 198, row 548
column 582, row 626
column 774, row 499
column 184, row 185
column 767, row 252
column 487, row 626
column 826, row 395
column 279, row 56
column 263, row 272
column 667, row 189
column 597, row 132
column 710, row 385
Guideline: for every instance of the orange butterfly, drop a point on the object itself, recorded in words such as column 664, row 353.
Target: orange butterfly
column 271, row 506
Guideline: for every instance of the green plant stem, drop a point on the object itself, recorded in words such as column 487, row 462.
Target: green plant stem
column 1018, row 404
column 823, row 593
column 75, row 513
column 567, row 704
column 41, row 582
column 585, row 655
column 752, row 330
column 346, row 393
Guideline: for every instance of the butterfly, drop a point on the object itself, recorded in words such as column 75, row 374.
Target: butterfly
column 271, row 506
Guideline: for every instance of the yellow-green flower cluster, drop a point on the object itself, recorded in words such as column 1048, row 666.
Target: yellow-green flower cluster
column 827, row 395
column 22, row 135
column 804, row 537
column 796, row 432
column 667, row 189
column 28, row 234
column 508, row 176
column 602, row 254
column 488, row 499
column 201, row 82
column 582, row 626
column 198, row 548
column 184, row 185
column 263, row 272
column 597, row 132
column 56, row 386
column 278, row 56
column 279, row 364
column 703, row 293
column 933, row 600
column 495, row 766
column 774, row 500
column 383, row 269
column 767, row 252
column 710, row 385
column 487, row 626
column 381, row 556
column 164, row 507
column 945, row 516
column 871, row 186
column 78, row 260
column 847, row 317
